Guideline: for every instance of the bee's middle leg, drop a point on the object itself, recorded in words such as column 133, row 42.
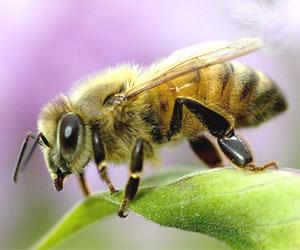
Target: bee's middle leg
column 136, row 167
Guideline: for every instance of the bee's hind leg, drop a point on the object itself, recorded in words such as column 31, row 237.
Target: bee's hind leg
column 231, row 145
column 206, row 151
column 238, row 152
column 254, row 168
column 136, row 167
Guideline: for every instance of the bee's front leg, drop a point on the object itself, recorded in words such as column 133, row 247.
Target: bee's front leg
column 136, row 166
column 99, row 156
column 102, row 170
column 83, row 185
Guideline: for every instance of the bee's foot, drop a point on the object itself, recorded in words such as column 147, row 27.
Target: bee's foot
column 112, row 189
column 121, row 214
column 123, row 208
column 253, row 168
column 112, row 192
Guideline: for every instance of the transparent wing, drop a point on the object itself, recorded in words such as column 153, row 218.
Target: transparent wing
column 190, row 59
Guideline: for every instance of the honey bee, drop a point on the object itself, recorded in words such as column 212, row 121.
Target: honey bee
column 126, row 114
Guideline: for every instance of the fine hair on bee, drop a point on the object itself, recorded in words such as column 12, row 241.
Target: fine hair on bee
column 127, row 113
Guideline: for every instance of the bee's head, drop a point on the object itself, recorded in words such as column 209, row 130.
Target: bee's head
column 62, row 158
column 62, row 137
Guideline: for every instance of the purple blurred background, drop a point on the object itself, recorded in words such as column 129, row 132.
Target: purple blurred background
column 46, row 46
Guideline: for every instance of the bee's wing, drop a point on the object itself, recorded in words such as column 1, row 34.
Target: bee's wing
column 190, row 59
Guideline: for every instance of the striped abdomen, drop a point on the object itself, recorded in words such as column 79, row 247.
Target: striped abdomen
column 244, row 96
column 248, row 95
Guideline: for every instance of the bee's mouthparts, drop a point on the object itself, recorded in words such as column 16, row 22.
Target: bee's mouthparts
column 59, row 181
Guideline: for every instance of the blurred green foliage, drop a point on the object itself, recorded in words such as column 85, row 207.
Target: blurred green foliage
column 245, row 210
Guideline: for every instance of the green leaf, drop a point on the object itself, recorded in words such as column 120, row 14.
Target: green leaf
column 246, row 210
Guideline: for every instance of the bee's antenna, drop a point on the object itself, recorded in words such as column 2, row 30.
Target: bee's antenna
column 21, row 154
column 39, row 139
column 35, row 143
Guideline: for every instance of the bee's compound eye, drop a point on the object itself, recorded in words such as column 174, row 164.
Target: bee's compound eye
column 69, row 131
